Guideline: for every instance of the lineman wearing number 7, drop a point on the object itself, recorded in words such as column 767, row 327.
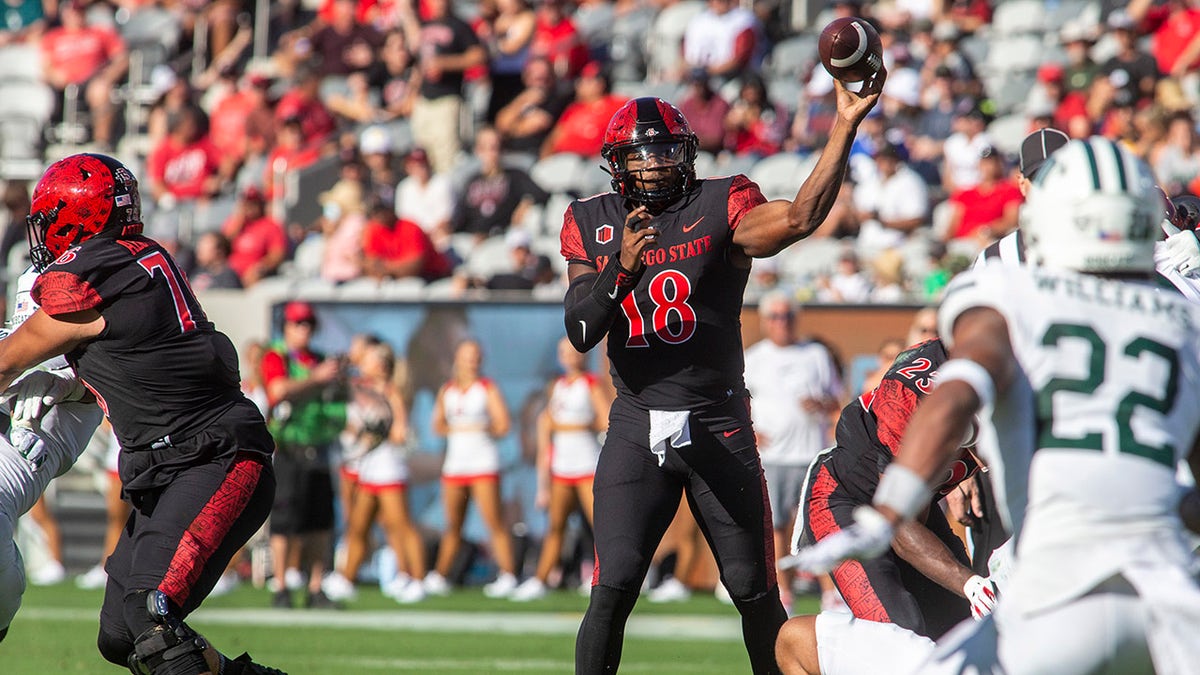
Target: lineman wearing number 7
column 658, row 267
column 195, row 453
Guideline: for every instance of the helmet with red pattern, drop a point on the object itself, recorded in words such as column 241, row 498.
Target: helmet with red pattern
column 656, row 138
column 78, row 198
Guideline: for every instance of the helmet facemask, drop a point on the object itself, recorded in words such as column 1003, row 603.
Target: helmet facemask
column 654, row 173
column 37, row 224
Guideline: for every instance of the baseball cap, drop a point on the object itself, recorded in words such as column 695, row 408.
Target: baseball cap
column 298, row 311
column 1037, row 147
column 1050, row 72
column 253, row 193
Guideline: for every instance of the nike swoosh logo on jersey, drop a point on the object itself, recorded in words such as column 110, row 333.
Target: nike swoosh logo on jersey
column 613, row 295
column 730, row 433
column 689, row 228
column 582, row 330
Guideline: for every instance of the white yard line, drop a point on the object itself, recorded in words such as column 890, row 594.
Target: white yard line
column 680, row 627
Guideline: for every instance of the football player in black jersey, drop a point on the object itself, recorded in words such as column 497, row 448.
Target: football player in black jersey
column 195, row 453
column 658, row 266
column 925, row 583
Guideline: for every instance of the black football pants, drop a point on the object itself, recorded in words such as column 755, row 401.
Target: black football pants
column 635, row 501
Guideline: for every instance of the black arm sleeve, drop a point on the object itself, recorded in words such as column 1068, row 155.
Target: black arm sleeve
column 592, row 300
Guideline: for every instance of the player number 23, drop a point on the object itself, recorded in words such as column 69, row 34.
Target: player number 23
column 1136, row 349
column 673, row 320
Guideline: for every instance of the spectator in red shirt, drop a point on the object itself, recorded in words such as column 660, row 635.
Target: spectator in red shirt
column 705, row 111
column 289, row 154
column 1174, row 28
column 237, row 116
column 258, row 241
column 395, row 248
column 185, row 166
column 92, row 57
column 556, row 38
column 987, row 211
column 303, row 102
column 580, row 129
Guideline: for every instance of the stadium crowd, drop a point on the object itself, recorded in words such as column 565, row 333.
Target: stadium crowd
column 343, row 142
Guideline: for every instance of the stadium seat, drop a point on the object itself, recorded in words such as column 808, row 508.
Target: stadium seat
column 975, row 48
column 25, row 108
column 409, row 288
column 787, row 92
column 1008, row 131
column 1019, row 16
column 442, row 289
column 780, row 175
column 664, row 41
column 792, row 58
column 363, row 289
column 490, row 257
column 1015, row 53
column 558, row 172
column 592, row 178
column 1010, row 91
column 706, row 165
column 20, row 62
column 731, row 165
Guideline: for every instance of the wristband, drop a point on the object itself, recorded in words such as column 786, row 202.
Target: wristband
column 966, row 370
column 614, row 283
column 903, row 491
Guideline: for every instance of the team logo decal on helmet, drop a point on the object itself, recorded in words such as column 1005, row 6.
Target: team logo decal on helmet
column 651, row 152
column 80, row 197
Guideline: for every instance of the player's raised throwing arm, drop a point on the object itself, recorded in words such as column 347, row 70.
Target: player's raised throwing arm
column 593, row 297
column 771, row 227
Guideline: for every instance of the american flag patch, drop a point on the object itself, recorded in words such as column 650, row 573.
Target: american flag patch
column 124, row 200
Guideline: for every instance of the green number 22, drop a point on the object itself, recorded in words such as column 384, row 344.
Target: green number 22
column 1163, row 454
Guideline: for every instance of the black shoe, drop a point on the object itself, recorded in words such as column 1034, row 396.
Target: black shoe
column 242, row 665
column 282, row 599
column 319, row 600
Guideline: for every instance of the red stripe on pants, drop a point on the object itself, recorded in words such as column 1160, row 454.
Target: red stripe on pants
column 850, row 577
column 206, row 533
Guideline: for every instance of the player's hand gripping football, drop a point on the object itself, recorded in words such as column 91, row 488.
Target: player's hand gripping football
column 854, row 106
column 637, row 235
column 869, row 537
column 1182, row 249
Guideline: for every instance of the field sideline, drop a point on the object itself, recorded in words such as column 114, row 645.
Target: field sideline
column 465, row 633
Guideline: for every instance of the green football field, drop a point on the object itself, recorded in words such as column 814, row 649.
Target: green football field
column 55, row 632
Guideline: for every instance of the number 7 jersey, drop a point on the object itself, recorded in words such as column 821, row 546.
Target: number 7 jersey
column 159, row 369
column 676, row 341
column 1084, row 446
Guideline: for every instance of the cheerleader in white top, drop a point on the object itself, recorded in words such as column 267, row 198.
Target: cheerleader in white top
column 376, row 431
column 471, row 414
column 568, row 449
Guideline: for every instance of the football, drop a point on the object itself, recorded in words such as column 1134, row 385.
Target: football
column 850, row 49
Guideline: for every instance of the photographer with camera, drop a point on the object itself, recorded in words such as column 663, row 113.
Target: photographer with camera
column 307, row 395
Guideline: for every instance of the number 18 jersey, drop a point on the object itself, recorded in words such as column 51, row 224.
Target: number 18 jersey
column 1085, row 445
column 676, row 343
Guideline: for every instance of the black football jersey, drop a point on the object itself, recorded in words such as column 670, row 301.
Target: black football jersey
column 159, row 369
column 676, row 343
column 870, row 428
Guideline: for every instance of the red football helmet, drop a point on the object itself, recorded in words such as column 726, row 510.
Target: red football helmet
column 654, row 133
column 80, row 197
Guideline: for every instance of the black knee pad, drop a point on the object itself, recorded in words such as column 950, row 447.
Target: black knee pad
column 114, row 648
